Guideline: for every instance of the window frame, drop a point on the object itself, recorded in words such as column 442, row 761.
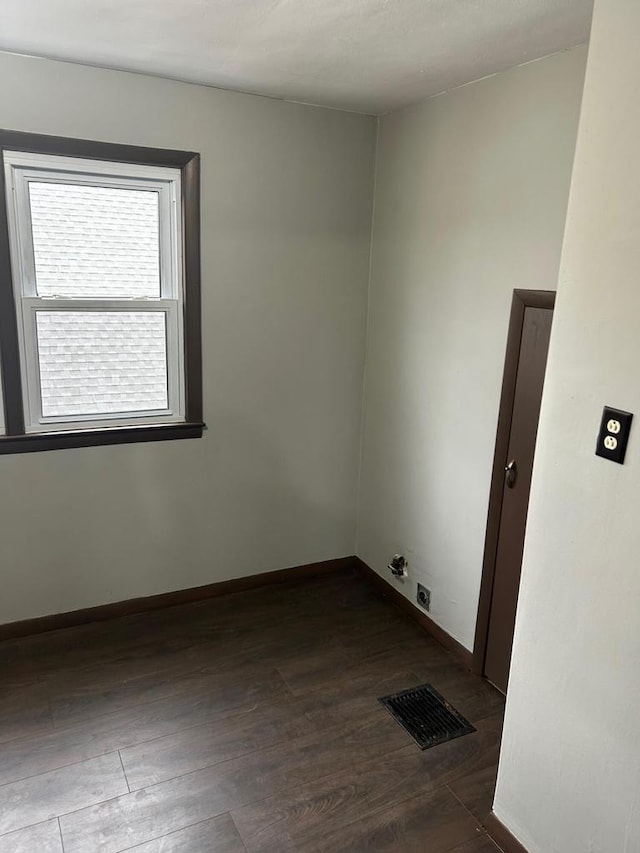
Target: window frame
column 21, row 169
column 21, row 434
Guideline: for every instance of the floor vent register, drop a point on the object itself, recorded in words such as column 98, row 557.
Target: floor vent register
column 426, row 716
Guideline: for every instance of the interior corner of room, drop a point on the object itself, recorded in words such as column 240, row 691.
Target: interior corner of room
column 383, row 351
column 301, row 459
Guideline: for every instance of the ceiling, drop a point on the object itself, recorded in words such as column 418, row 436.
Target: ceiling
column 370, row 56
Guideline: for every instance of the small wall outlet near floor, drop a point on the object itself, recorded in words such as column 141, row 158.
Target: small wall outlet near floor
column 423, row 597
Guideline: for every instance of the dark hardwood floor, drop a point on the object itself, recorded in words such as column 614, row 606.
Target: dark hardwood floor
column 243, row 724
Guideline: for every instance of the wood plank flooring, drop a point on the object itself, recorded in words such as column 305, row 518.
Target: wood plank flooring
column 243, row 724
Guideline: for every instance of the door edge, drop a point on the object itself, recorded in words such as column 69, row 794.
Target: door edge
column 521, row 300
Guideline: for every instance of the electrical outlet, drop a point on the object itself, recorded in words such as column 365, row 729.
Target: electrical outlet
column 423, row 597
column 614, row 434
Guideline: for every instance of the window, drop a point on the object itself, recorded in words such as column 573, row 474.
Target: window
column 99, row 294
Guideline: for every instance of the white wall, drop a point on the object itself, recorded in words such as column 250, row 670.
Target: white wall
column 569, row 779
column 470, row 203
column 286, row 208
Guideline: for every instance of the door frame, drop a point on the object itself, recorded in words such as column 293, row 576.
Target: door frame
column 521, row 300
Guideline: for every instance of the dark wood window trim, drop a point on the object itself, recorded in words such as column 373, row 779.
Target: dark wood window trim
column 15, row 440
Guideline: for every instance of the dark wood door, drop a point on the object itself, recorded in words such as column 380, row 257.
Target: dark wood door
column 517, row 469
